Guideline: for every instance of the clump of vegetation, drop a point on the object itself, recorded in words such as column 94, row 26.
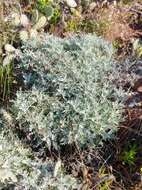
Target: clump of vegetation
column 106, row 179
column 99, row 27
column 50, row 9
column 72, row 25
column 129, row 156
column 41, row 4
column 7, row 35
column 6, row 80
column 86, row 26
column 72, row 99
column 21, row 170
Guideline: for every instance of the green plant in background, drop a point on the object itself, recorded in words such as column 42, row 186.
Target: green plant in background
column 45, row 7
column 72, row 90
column 129, row 155
column 72, row 25
column 56, row 16
column 117, row 44
column 99, row 27
column 41, row 4
column 88, row 26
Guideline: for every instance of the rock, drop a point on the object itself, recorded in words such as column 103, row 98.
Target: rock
column 139, row 89
column 9, row 48
column 115, row 3
column 71, row 3
column 24, row 20
column 92, row 6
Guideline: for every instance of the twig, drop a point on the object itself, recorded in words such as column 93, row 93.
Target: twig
column 132, row 130
column 103, row 179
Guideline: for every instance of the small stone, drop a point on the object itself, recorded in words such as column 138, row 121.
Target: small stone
column 137, row 177
column 139, row 89
column 24, row 20
column 71, row 3
column 115, row 3
column 92, row 6
column 9, row 48
column 138, row 85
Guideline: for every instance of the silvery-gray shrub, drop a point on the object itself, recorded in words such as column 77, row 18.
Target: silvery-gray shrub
column 72, row 98
column 20, row 169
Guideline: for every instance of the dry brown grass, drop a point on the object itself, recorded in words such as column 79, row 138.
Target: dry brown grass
column 121, row 23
